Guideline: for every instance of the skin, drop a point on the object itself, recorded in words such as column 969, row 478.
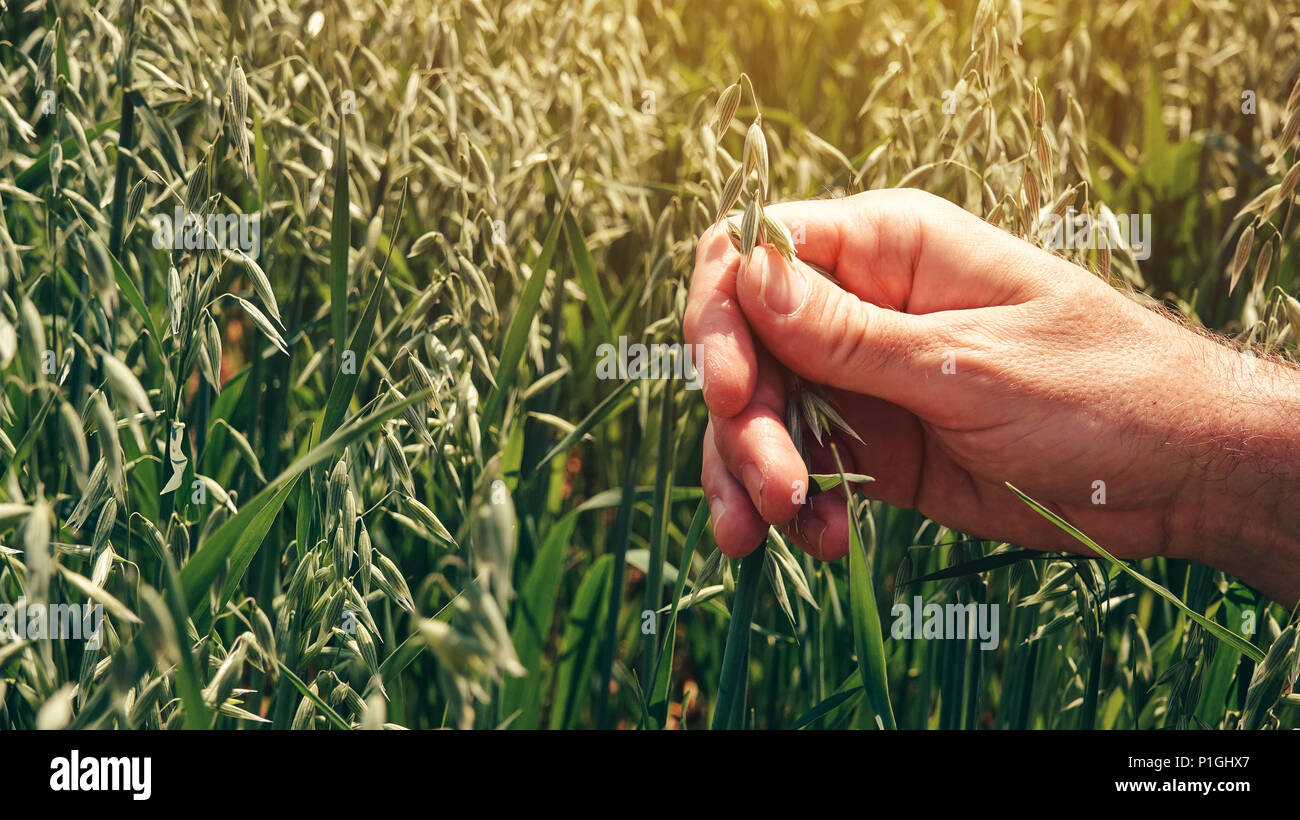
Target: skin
column 966, row 358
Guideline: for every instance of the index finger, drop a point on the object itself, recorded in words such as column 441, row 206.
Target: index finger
column 908, row 250
column 715, row 323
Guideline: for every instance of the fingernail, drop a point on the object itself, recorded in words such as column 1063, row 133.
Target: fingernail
column 753, row 481
column 717, row 509
column 784, row 287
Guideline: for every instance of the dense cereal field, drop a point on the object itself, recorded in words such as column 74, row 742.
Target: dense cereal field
column 344, row 381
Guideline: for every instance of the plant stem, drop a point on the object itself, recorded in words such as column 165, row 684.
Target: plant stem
column 622, row 531
column 735, row 658
column 659, row 524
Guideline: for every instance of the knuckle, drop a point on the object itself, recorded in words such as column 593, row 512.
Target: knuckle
column 975, row 350
column 850, row 343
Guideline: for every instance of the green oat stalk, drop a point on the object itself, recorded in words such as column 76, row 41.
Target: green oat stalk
column 1217, row 630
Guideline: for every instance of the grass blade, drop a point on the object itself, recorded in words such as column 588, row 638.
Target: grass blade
column 326, row 710
column 340, row 240
column 580, row 254
column 659, row 519
column 240, row 536
column 610, row 407
column 868, row 640
column 578, row 650
column 1217, row 630
column 533, row 614
column 512, row 349
column 661, row 679
column 730, row 708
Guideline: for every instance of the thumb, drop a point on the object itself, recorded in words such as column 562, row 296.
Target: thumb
column 830, row 336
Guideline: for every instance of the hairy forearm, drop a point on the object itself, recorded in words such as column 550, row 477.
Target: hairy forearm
column 1240, row 509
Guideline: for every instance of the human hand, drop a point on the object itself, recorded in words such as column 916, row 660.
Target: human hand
column 966, row 358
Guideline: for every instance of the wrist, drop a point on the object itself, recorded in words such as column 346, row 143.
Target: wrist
column 1239, row 510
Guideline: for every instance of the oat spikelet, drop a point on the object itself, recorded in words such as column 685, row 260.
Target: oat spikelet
column 1293, row 101
column 755, row 157
column 1262, row 264
column 733, row 232
column 1037, row 106
column 725, row 111
column 1030, row 182
column 238, row 92
column 1292, row 306
column 1244, row 246
column 730, row 193
column 1292, row 130
column 775, row 232
column 749, row 229
column 197, row 187
column 1289, row 182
